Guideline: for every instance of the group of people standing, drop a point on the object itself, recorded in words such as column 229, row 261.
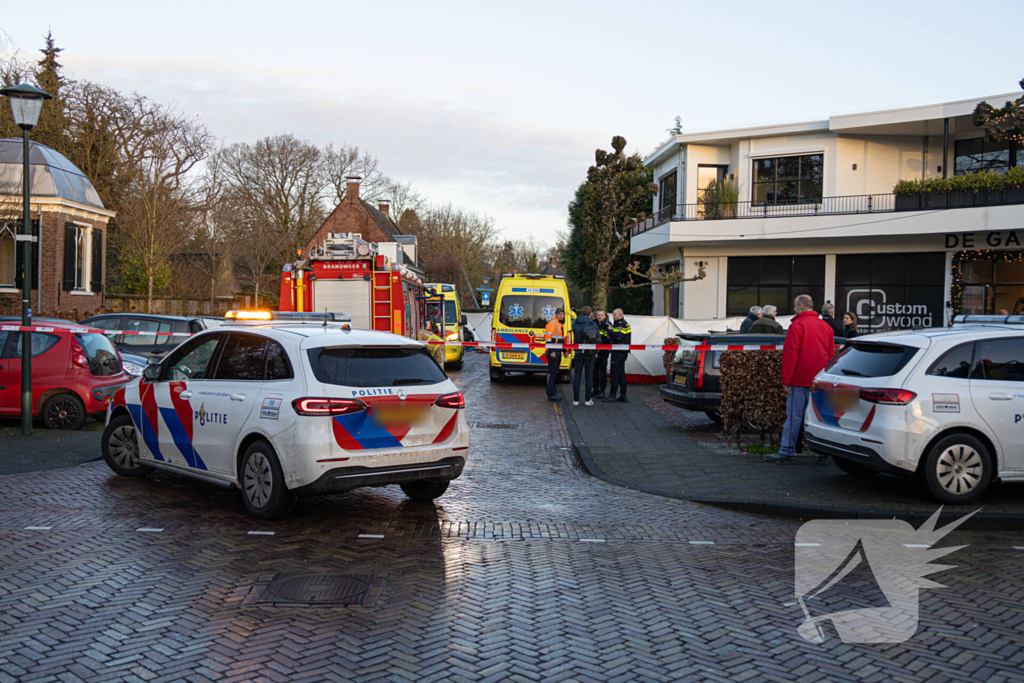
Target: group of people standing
column 591, row 366
column 761, row 320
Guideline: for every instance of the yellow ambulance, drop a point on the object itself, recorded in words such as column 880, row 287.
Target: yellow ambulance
column 445, row 319
column 523, row 306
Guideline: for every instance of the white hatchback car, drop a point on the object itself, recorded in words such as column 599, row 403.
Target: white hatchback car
column 947, row 404
column 285, row 409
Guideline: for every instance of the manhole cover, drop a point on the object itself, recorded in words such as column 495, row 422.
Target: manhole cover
column 496, row 425
column 320, row 589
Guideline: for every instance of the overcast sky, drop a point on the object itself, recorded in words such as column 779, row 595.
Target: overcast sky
column 499, row 107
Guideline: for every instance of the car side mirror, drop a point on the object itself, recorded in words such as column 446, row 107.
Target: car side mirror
column 151, row 371
column 464, row 321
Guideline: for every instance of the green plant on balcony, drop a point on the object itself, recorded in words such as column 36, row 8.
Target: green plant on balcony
column 967, row 182
column 720, row 199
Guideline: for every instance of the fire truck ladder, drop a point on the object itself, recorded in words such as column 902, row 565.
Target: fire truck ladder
column 382, row 299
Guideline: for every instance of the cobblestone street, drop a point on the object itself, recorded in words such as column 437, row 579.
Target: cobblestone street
column 526, row 569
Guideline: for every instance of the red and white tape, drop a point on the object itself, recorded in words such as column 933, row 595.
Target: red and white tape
column 41, row 328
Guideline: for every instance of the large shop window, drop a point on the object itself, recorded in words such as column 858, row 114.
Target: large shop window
column 788, row 180
column 891, row 291
column 775, row 280
column 10, row 254
column 979, row 154
column 992, row 283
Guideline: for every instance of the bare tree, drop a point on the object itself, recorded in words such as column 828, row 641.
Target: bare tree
column 281, row 181
column 402, row 198
column 468, row 236
column 346, row 161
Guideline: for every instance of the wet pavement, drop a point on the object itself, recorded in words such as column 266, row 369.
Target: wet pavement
column 526, row 570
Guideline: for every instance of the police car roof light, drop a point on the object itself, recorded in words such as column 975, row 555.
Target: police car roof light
column 989, row 319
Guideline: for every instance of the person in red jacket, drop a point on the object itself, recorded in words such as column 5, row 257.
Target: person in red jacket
column 809, row 346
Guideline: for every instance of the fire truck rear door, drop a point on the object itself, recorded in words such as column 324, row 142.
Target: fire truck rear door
column 344, row 296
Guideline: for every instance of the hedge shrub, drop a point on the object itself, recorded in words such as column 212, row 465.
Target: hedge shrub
column 753, row 399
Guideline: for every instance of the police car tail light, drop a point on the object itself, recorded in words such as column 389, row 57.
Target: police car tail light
column 319, row 407
column 888, row 397
column 455, row 400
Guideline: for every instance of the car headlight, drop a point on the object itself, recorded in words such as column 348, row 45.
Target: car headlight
column 452, row 336
column 132, row 369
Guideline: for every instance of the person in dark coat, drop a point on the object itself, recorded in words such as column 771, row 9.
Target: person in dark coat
column 767, row 324
column 828, row 312
column 748, row 322
column 604, row 325
column 584, row 331
column 619, row 334
column 850, row 325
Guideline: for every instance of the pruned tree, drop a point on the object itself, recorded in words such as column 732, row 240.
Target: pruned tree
column 1003, row 123
column 656, row 276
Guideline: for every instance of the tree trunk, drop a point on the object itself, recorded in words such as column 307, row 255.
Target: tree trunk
column 149, row 295
column 256, row 296
column 599, row 295
column 666, row 289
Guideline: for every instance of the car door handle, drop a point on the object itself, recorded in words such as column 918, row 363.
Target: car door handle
column 237, row 397
column 999, row 396
column 185, row 395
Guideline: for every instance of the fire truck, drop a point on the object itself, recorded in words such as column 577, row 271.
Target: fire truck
column 347, row 274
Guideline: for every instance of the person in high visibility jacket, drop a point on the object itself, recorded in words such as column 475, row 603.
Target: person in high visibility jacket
column 620, row 333
column 554, row 333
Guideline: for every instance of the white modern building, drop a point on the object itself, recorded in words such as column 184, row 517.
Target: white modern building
column 816, row 214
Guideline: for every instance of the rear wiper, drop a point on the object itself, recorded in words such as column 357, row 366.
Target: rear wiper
column 853, row 373
column 407, row 381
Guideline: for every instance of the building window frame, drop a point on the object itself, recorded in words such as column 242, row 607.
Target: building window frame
column 806, row 187
column 979, row 163
column 81, row 259
column 667, row 188
column 763, row 277
column 10, row 227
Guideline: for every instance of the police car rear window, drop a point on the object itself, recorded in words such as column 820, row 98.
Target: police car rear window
column 374, row 367
column 871, row 360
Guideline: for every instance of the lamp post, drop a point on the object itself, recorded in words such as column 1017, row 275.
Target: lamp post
column 26, row 103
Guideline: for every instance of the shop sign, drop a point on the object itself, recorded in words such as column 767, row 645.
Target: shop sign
column 983, row 240
column 880, row 309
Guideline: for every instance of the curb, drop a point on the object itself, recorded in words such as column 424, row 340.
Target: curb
column 979, row 522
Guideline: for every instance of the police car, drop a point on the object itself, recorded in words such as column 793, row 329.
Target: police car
column 282, row 409
column 945, row 404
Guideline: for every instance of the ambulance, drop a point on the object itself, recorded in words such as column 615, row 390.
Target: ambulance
column 445, row 319
column 524, row 305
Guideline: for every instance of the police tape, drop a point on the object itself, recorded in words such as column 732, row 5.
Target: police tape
column 501, row 346
column 610, row 347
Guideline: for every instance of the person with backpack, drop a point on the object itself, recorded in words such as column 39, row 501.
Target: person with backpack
column 584, row 331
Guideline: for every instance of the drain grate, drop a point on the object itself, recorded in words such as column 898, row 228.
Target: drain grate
column 317, row 589
column 497, row 425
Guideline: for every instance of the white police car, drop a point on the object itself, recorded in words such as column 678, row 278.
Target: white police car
column 285, row 409
column 945, row 404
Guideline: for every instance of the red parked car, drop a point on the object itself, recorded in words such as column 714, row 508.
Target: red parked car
column 74, row 373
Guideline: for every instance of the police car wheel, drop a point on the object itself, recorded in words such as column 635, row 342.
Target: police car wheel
column 423, row 491
column 120, row 446
column 262, row 483
column 854, row 469
column 958, row 469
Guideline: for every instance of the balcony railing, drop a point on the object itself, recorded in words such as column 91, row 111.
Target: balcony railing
column 828, row 206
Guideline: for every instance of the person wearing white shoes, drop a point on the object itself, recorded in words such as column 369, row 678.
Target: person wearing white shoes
column 584, row 331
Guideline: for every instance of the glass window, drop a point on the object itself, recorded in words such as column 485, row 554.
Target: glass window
column 979, row 154
column 242, row 358
column 863, row 359
column 7, row 254
column 775, row 280
column 1000, row 360
column 101, row 354
column 529, row 310
column 955, row 363
column 81, row 251
column 449, row 313
column 892, row 291
column 374, row 367
column 788, row 180
column 146, row 326
column 192, row 359
column 41, row 343
column 278, row 366
column 107, row 324
column 667, row 191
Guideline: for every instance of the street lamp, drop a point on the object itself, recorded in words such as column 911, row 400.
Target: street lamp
column 26, row 103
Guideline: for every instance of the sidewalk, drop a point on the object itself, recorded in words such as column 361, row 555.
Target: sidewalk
column 46, row 449
column 632, row 445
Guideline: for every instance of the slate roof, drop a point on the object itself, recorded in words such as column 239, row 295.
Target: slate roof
column 50, row 174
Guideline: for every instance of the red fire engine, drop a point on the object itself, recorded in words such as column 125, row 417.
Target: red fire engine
column 349, row 275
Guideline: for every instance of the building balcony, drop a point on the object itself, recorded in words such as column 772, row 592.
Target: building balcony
column 830, row 206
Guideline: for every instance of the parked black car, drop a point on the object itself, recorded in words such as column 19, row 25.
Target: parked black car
column 693, row 376
column 150, row 344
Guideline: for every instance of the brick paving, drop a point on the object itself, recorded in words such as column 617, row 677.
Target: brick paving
column 652, row 446
column 526, row 570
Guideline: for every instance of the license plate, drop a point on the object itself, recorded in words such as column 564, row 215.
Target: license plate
column 845, row 399
column 395, row 416
column 514, row 356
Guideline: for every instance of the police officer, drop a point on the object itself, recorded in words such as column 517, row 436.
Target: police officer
column 601, row 364
column 620, row 333
column 554, row 333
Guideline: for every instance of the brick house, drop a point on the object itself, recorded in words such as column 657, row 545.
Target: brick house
column 70, row 221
